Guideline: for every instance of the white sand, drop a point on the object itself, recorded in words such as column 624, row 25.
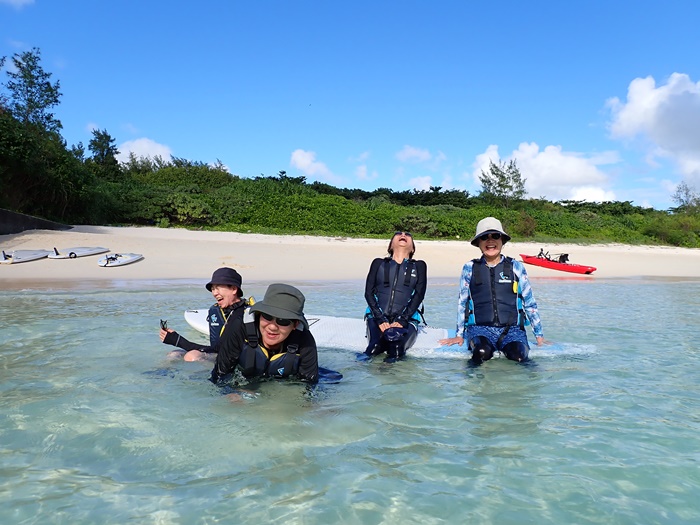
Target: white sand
column 185, row 254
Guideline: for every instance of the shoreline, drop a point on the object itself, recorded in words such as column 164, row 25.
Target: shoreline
column 183, row 255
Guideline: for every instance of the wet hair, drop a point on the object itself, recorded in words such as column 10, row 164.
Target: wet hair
column 390, row 250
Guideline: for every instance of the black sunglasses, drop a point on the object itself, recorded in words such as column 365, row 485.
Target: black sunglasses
column 407, row 234
column 487, row 236
column 277, row 320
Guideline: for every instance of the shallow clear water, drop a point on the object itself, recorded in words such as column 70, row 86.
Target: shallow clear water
column 96, row 426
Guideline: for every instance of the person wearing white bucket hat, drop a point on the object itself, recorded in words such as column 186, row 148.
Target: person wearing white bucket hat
column 495, row 300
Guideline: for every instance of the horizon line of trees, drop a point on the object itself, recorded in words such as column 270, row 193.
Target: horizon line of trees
column 42, row 176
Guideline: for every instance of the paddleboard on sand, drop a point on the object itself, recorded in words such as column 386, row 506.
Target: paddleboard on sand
column 119, row 259
column 80, row 251
column 18, row 256
column 346, row 333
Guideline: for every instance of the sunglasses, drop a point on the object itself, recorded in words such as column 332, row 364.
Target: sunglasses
column 407, row 234
column 487, row 236
column 276, row 320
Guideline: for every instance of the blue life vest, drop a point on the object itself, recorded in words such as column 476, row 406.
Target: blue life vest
column 495, row 298
column 394, row 294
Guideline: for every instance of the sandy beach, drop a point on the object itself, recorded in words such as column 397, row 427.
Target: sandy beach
column 184, row 254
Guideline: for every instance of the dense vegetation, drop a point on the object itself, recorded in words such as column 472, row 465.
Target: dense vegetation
column 40, row 175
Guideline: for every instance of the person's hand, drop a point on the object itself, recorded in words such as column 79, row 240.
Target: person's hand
column 541, row 341
column 450, row 341
column 395, row 324
column 384, row 326
column 164, row 333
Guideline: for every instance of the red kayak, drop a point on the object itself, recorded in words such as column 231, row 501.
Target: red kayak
column 558, row 262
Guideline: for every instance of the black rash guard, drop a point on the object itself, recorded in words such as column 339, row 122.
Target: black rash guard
column 406, row 298
column 215, row 330
column 233, row 339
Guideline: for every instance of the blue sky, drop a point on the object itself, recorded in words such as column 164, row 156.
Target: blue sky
column 595, row 100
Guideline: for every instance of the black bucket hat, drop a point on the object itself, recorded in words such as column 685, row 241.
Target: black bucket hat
column 227, row 276
column 282, row 301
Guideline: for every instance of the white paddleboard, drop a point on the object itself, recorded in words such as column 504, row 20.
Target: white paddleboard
column 120, row 259
column 350, row 334
column 18, row 256
column 79, row 251
column 346, row 333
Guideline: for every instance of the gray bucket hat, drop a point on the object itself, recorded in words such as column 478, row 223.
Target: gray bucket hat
column 282, row 301
column 489, row 225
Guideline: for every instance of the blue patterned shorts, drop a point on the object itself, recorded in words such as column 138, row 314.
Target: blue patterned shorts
column 492, row 333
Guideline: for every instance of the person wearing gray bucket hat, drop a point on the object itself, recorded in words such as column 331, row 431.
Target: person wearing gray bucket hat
column 489, row 225
column 495, row 300
column 225, row 287
column 272, row 341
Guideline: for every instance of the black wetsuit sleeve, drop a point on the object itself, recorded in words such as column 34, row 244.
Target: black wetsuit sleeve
column 418, row 295
column 308, row 353
column 370, row 284
column 228, row 349
column 175, row 339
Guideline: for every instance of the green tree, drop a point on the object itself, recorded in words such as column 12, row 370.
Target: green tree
column 686, row 198
column 31, row 93
column 503, row 183
column 104, row 155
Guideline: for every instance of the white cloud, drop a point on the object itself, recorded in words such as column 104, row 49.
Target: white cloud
column 554, row 173
column 17, row 3
column 91, row 126
column 413, row 155
column 306, row 162
column 420, row 183
column 362, row 173
column 143, row 147
column 362, row 157
column 666, row 118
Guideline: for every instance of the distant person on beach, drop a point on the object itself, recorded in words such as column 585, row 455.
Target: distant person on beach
column 495, row 300
column 225, row 286
column 272, row 340
column 394, row 292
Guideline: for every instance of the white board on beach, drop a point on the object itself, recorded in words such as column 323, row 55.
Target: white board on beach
column 119, row 259
column 77, row 251
column 19, row 256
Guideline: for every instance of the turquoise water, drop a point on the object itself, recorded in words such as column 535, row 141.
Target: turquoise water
column 603, row 427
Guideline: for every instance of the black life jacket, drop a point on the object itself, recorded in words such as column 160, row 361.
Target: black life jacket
column 495, row 297
column 255, row 361
column 395, row 285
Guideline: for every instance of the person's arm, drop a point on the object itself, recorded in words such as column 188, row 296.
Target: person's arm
column 171, row 337
column 418, row 294
column 462, row 302
column 529, row 303
column 228, row 349
column 308, row 353
column 370, row 283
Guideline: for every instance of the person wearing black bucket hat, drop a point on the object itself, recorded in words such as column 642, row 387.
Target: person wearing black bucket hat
column 495, row 300
column 273, row 340
column 225, row 287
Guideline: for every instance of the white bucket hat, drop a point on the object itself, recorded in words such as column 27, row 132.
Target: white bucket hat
column 489, row 225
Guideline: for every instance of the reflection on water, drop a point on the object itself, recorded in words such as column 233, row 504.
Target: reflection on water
column 97, row 427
